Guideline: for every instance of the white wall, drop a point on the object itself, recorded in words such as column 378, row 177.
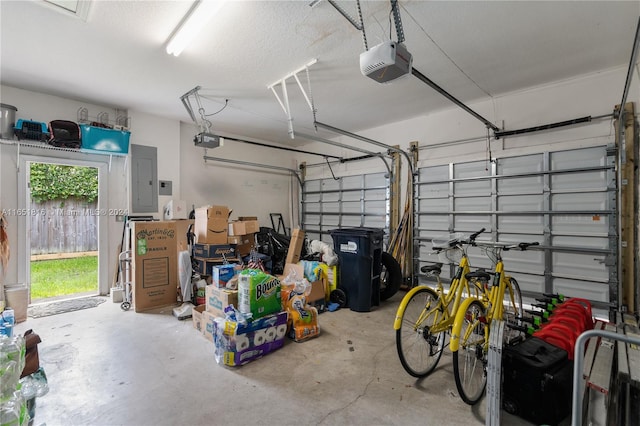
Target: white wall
column 163, row 134
column 247, row 190
column 588, row 95
column 42, row 107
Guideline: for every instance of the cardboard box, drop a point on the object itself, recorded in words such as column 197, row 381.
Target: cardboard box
column 208, row 324
column 295, row 246
column 222, row 274
column 243, row 218
column 205, row 266
column 182, row 227
column 244, row 243
column 237, row 344
column 196, row 316
column 258, row 293
column 219, row 298
column 154, row 264
column 211, row 224
column 317, row 296
column 331, row 275
column 176, row 209
column 215, row 251
column 243, row 227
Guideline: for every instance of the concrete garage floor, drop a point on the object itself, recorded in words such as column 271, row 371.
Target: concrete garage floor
column 109, row 367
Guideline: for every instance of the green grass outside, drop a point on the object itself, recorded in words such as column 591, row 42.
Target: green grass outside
column 60, row 277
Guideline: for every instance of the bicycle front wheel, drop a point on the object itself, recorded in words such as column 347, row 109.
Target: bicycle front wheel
column 470, row 360
column 420, row 349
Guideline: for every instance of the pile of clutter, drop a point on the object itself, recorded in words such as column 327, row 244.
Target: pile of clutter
column 21, row 379
column 248, row 313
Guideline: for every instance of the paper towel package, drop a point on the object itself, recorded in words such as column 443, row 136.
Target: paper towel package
column 238, row 344
column 258, row 293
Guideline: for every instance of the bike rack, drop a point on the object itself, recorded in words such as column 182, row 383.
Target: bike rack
column 578, row 390
column 494, row 374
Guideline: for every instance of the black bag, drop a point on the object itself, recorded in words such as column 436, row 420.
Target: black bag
column 537, row 381
column 32, row 360
column 64, row 134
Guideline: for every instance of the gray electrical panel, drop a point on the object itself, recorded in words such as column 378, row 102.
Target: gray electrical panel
column 144, row 179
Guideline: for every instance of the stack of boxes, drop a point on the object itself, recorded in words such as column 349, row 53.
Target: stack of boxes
column 238, row 341
column 242, row 233
column 219, row 246
column 211, row 247
column 243, row 312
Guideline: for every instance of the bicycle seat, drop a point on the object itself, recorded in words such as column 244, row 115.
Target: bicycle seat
column 478, row 275
column 435, row 269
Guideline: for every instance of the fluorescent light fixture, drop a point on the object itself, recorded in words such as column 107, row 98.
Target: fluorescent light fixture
column 192, row 24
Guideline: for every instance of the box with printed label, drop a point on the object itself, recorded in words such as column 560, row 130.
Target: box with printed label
column 258, row 293
column 211, row 224
column 214, row 251
column 221, row 275
column 154, row 261
column 205, row 266
column 208, row 324
column 219, row 298
column 196, row 316
column 237, row 344
column 243, row 227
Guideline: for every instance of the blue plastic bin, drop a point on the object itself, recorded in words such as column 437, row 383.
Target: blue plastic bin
column 104, row 140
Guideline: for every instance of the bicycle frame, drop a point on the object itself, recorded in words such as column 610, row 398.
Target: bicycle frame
column 494, row 305
column 444, row 319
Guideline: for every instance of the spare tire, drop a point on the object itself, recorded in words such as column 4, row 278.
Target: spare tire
column 390, row 276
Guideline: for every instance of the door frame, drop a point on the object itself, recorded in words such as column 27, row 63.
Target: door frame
column 24, row 226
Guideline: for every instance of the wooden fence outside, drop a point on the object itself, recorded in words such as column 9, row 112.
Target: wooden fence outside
column 63, row 227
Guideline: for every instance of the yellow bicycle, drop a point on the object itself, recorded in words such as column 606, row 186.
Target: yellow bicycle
column 470, row 333
column 425, row 315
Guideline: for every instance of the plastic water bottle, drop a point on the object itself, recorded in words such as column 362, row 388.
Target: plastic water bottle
column 9, row 319
column 9, row 316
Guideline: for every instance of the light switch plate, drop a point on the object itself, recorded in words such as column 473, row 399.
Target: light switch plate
column 164, row 187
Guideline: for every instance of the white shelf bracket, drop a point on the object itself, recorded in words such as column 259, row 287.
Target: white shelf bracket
column 284, row 101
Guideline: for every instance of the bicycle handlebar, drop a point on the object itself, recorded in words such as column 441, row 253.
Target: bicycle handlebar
column 458, row 241
column 473, row 236
column 524, row 246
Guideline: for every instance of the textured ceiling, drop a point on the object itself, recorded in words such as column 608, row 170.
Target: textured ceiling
column 474, row 50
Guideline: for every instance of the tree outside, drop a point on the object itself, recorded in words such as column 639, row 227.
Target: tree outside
column 65, row 264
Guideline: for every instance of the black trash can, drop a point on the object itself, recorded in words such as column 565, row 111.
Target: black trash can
column 359, row 253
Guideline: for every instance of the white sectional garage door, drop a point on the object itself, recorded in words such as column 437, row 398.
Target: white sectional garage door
column 351, row 201
column 565, row 200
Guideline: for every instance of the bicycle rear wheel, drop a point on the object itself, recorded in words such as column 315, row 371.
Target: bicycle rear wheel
column 470, row 360
column 418, row 348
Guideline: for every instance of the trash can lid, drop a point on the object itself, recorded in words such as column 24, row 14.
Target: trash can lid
column 7, row 106
column 356, row 231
